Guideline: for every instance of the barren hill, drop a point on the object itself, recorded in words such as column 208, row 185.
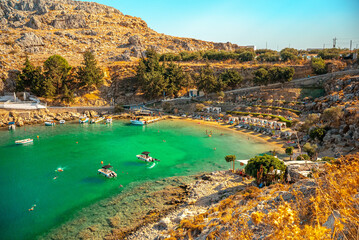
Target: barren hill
column 41, row 28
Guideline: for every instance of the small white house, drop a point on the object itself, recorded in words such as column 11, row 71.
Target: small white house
column 207, row 109
column 216, row 110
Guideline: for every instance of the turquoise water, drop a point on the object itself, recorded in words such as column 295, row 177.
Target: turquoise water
column 27, row 172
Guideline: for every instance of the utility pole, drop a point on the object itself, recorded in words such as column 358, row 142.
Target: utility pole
column 351, row 42
column 266, row 45
column 334, row 42
column 324, row 46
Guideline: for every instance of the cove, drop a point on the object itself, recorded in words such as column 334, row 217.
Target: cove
column 27, row 172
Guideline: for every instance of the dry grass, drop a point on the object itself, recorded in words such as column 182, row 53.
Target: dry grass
column 301, row 218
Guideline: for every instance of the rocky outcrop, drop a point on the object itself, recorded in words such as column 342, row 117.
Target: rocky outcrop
column 69, row 21
column 31, row 42
column 34, row 23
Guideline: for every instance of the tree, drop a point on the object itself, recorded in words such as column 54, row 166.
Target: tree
column 68, row 95
column 90, row 74
column 265, row 168
column 231, row 78
column 289, row 151
column 317, row 133
column 310, row 149
column 150, row 75
column 318, row 66
column 56, row 72
column 174, row 76
column 261, row 77
column 289, row 54
column 231, row 158
column 30, row 79
column 154, row 85
column 206, row 80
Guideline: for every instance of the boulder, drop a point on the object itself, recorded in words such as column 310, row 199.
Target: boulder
column 29, row 40
column 69, row 21
column 34, row 23
column 135, row 40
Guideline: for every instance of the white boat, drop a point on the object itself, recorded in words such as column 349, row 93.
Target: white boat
column 144, row 156
column 51, row 123
column 84, row 119
column 12, row 126
column 24, row 141
column 138, row 121
column 97, row 120
column 62, row 121
column 107, row 172
column 108, row 119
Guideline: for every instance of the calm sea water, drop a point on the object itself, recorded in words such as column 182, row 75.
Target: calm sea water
column 27, row 172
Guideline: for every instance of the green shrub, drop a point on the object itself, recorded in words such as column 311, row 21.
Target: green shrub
column 317, row 133
column 303, row 157
column 262, row 167
column 319, row 66
column 328, row 159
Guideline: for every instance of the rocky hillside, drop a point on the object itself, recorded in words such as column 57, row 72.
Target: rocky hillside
column 40, row 28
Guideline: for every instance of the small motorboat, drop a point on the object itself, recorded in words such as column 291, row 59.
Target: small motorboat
column 138, row 121
column 12, row 125
column 62, row 121
column 105, row 170
column 24, row 141
column 50, row 123
column 97, row 119
column 84, row 119
column 145, row 156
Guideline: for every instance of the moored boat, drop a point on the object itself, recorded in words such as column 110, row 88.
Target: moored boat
column 97, row 119
column 145, row 156
column 12, row 125
column 105, row 170
column 24, row 141
column 108, row 119
column 84, row 119
column 62, row 121
column 138, row 121
column 50, row 123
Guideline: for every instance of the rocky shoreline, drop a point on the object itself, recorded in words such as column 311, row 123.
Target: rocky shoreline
column 33, row 117
column 148, row 209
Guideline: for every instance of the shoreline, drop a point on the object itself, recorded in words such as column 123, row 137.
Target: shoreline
column 277, row 144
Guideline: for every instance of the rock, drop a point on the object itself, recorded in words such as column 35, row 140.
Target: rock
column 42, row 10
column 88, row 32
column 137, row 52
column 331, row 220
column 135, row 40
column 71, row 36
column 29, row 40
column 34, row 23
column 69, row 21
column 163, row 224
column 57, row 6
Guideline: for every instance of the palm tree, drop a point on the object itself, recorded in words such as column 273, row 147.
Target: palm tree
column 231, row 158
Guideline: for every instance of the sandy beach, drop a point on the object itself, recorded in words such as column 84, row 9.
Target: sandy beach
column 277, row 144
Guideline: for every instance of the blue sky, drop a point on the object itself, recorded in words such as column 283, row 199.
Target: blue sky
column 279, row 23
